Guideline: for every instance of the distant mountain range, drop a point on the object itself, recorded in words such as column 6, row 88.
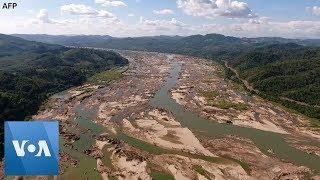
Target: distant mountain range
column 142, row 42
column 210, row 46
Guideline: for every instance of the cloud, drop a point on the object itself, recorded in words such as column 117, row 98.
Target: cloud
column 114, row 3
column 43, row 17
column 131, row 15
column 163, row 12
column 80, row 9
column 161, row 25
column 216, row 8
column 261, row 20
column 314, row 10
column 264, row 27
column 88, row 20
column 298, row 28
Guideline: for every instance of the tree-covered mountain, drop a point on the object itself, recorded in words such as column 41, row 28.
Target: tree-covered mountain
column 165, row 43
column 211, row 46
column 208, row 46
column 10, row 45
column 31, row 71
column 76, row 40
column 287, row 73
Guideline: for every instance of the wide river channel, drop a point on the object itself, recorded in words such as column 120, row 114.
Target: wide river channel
column 203, row 127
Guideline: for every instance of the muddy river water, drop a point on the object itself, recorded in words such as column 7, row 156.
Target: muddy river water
column 208, row 128
column 200, row 126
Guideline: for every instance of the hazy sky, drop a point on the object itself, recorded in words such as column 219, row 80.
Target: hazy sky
column 250, row 18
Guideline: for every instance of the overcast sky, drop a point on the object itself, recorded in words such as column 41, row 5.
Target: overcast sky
column 249, row 18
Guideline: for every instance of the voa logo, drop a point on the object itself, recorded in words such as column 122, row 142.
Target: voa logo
column 42, row 148
column 31, row 148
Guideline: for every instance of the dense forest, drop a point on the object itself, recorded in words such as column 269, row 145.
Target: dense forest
column 31, row 71
column 282, row 70
column 287, row 73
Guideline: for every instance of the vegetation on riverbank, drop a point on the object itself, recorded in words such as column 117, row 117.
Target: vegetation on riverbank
column 209, row 95
column 211, row 100
column 222, row 104
column 201, row 171
column 285, row 74
column 106, row 77
column 30, row 72
column 161, row 176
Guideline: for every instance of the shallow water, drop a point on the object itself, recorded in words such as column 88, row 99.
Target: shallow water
column 200, row 126
column 262, row 139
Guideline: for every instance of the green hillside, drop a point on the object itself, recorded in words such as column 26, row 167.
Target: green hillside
column 30, row 72
column 287, row 73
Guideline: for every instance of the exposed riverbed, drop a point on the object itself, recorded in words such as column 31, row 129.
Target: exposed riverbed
column 134, row 128
column 262, row 139
column 210, row 129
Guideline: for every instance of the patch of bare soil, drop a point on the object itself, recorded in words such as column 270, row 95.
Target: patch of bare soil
column 203, row 89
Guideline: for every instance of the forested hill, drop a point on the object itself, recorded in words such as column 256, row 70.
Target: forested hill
column 31, row 71
column 210, row 45
column 287, row 73
column 213, row 44
column 11, row 46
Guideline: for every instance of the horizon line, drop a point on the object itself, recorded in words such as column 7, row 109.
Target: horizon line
column 240, row 37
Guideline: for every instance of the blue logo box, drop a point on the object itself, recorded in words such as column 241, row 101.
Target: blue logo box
column 31, row 148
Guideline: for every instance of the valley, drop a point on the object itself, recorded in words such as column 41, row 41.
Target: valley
column 160, row 90
column 173, row 116
column 281, row 70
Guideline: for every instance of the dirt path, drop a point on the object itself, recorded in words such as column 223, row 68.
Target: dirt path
column 245, row 82
column 249, row 87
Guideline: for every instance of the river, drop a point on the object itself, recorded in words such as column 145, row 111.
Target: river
column 200, row 126
column 262, row 139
